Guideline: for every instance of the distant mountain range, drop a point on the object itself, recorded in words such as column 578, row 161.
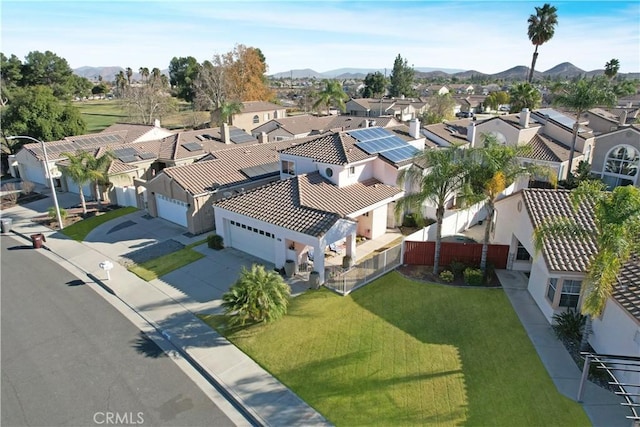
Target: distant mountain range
column 520, row 72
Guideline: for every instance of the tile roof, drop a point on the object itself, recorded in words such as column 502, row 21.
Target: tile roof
column 454, row 132
column 352, row 122
column 210, row 140
column 561, row 254
column 297, row 125
column 607, row 115
column 307, row 203
column 337, row 148
column 319, row 193
column 225, row 168
column 278, row 204
column 627, row 293
column 257, row 106
column 547, row 149
column 133, row 131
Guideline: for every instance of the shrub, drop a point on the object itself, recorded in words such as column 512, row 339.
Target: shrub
column 11, row 195
column 446, row 276
column 215, row 241
column 27, row 187
column 257, row 296
column 457, row 267
column 569, row 325
column 54, row 216
column 473, row 276
column 410, row 220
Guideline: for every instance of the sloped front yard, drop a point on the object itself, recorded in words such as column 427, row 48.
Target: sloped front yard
column 399, row 352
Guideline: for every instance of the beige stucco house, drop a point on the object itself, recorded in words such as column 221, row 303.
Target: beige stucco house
column 256, row 113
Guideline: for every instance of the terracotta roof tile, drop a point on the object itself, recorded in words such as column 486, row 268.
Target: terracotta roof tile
column 561, row 254
column 278, row 204
column 335, row 149
column 257, row 106
column 547, row 149
column 627, row 293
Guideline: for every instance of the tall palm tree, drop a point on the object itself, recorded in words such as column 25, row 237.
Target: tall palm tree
column 96, row 169
column 332, row 94
column 494, row 168
column 144, row 72
column 611, row 68
column 542, row 26
column 437, row 176
column 129, row 73
column 77, row 171
column 614, row 230
column 120, row 81
column 524, row 95
column 257, row 296
column 580, row 96
column 156, row 73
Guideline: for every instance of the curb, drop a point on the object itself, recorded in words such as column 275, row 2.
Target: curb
column 251, row 417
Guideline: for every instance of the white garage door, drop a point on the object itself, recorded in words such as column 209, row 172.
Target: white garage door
column 172, row 210
column 252, row 240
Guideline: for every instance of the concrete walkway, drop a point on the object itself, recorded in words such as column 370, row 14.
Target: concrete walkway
column 602, row 407
column 168, row 309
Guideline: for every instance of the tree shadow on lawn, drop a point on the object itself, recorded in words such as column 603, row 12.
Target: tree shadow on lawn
column 503, row 377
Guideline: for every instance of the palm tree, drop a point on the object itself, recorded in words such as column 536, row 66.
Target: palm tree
column 120, row 82
column 614, row 231
column 156, row 73
column 97, row 168
column 129, row 74
column 77, row 171
column 494, row 168
column 225, row 112
column 611, row 68
column 541, row 28
column 524, row 95
column 257, row 296
column 333, row 94
column 580, row 96
column 144, row 72
column 437, row 175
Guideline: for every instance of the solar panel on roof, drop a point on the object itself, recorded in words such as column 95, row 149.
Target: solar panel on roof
column 239, row 136
column 382, row 144
column 260, row 171
column 147, row 156
column 192, row 146
column 128, row 159
column 400, row 154
column 119, row 152
column 560, row 118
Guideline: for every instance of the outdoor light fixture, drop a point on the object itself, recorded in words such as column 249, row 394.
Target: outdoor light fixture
column 46, row 166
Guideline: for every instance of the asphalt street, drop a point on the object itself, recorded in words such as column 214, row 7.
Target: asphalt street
column 71, row 359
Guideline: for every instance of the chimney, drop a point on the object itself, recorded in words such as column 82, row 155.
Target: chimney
column 262, row 138
column 471, row 133
column 156, row 123
column 414, row 128
column 225, row 134
column 366, row 123
column 525, row 115
column 623, row 118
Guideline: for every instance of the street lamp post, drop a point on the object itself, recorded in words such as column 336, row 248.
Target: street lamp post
column 48, row 171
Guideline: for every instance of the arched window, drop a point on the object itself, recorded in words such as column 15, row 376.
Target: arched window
column 256, row 119
column 621, row 166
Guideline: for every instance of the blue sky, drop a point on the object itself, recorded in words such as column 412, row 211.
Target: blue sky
column 487, row 36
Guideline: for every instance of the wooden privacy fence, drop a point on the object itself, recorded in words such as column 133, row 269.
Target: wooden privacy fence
column 421, row 253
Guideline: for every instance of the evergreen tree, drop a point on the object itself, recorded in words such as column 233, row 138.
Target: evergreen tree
column 402, row 79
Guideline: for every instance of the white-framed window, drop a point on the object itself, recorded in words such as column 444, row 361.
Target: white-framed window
column 621, row 166
column 570, row 293
column 352, row 170
column 551, row 289
column 256, row 119
column 522, row 254
column 288, row 167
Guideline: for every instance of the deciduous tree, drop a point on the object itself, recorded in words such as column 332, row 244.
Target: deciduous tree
column 440, row 108
column 148, row 102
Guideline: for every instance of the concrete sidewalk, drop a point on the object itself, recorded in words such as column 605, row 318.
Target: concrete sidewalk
column 602, row 407
column 243, row 381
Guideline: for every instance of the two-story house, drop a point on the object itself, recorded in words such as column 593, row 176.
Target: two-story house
column 332, row 188
column 256, row 113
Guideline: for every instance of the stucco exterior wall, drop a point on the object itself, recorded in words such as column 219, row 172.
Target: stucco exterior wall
column 606, row 142
column 246, row 122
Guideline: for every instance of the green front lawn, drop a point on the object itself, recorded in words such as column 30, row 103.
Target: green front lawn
column 79, row 230
column 400, row 352
column 160, row 266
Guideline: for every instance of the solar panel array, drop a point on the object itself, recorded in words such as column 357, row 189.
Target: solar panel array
column 192, row 146
column 128, row 159
column 385, row 143
column 255, row 172
column 238, row 136
column 84, row 143
column 560, row 118
column 147, row 156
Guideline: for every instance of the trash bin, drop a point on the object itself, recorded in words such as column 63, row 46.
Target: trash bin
column 37, row 240
column 6, row 225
